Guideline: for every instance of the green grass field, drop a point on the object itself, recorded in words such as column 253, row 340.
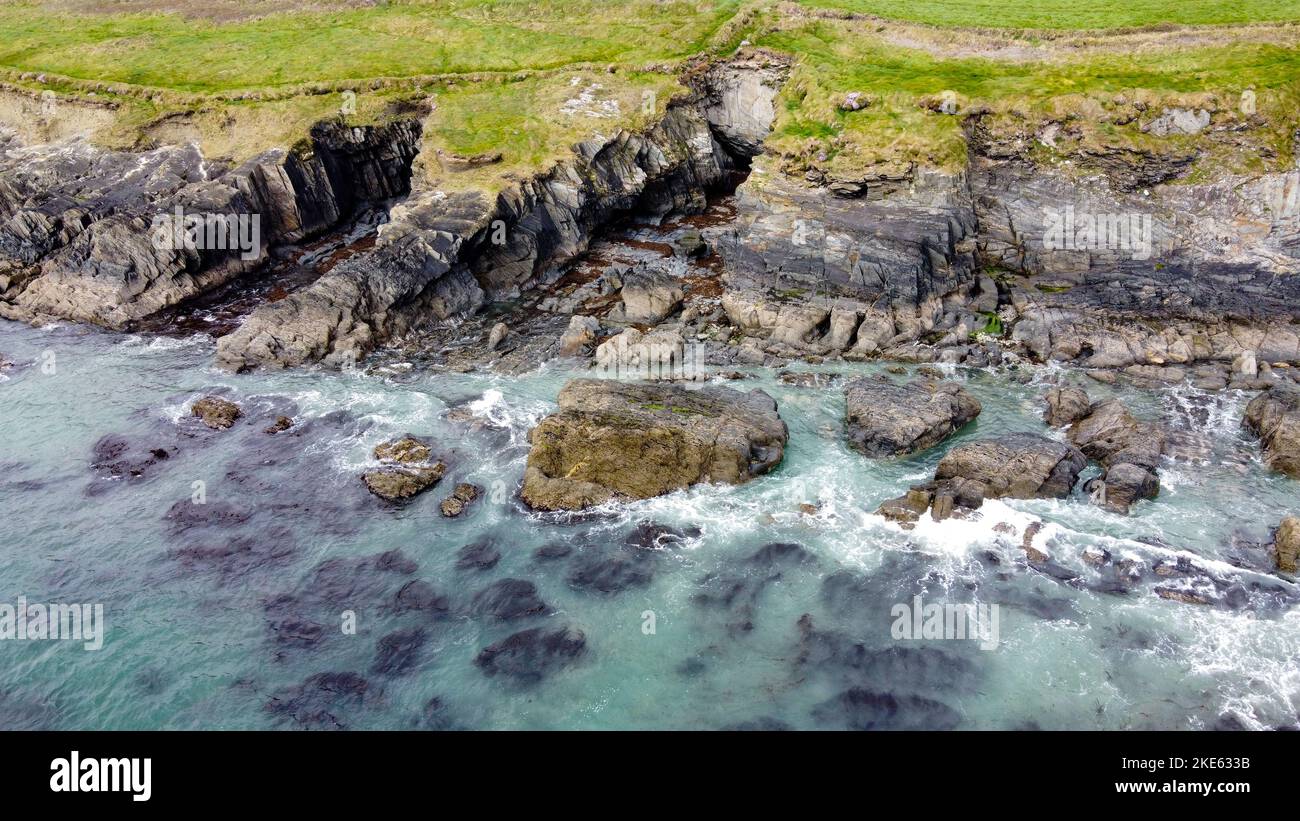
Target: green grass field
column 504, row 73
column 1070, row 14
column 391, row 40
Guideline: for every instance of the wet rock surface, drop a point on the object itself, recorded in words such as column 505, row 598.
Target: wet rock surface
column 888, row 419
column 1065, row 406
column 1274, row 416
column 615, row 440
column 216, row 413
column 407, row 470
column 1021, row 466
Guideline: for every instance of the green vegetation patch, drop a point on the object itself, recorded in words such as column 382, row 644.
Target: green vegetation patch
column 1069, row 14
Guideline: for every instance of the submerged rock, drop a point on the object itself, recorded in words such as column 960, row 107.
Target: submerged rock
column 618, row 440
column 861, row 709
column 216, row 413
column 529, row 656
column 398, row 651
column 508, row 599
column 479, row 555
column 1019, row 466
column 1274, row 416
column 323, row 700
column 886, row 419
column 407, row 470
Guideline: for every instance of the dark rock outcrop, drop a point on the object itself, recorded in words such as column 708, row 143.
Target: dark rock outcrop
column 89, row 235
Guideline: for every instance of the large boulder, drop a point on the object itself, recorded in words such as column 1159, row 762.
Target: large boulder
column 1274, row 416
column 1019, row 465
column 621, row 440
column 1124, row 484
column 650, row 296
column 1112, row 435
column 1065, row 406
column 1129, row 449
column 888, row 419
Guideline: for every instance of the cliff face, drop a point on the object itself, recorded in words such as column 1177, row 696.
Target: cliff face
column 80, row 227
column 910, row 266
column 443, row 256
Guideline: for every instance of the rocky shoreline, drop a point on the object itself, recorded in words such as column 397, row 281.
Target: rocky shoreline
column 686, row 251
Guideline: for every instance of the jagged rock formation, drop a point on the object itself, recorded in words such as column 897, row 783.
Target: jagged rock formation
column 620, row 440
column 94, row 235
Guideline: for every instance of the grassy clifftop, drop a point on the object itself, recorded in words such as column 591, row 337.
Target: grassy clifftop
column 528, row 78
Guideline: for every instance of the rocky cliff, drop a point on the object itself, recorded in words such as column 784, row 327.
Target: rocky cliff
column 80, row 227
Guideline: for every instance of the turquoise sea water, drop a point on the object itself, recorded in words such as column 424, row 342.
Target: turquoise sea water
column 226, row 615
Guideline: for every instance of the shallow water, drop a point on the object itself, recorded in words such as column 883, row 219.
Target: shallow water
column 222, row 615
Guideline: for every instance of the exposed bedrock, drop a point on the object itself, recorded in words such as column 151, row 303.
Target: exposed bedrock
column 91, row 235
column 436, row 260
column 445, row 256
column 813, row 271
column 1173, row 274
column 615, row 440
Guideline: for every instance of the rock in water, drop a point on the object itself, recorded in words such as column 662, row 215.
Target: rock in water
column 1286, row 543
column 1129, row 450
column 1274, row 416
column 1019, row 465
column 622, row 440
column 459, row 500
column 406, row 471
column 1112, row 435
column 885, row 419
column 1125, row 484
column 1065, row 406
column 216, row 413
